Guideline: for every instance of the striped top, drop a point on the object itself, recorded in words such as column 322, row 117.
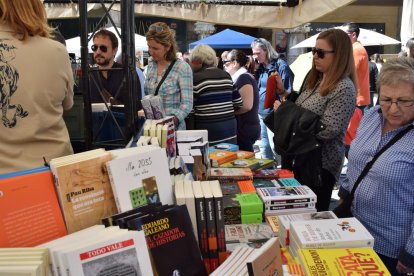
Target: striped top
column 215, row 97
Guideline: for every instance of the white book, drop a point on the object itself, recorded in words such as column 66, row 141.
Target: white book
column 39, row 263
column 236, row 261
column 126, row 254
column 276, row 196
column 330, row 233
column 141, row 179
column 147, row 127
column 190, row 202
column 179, row 191
column 267, row 260
column 183, row 134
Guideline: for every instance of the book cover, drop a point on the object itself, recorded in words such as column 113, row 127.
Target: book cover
column 285, row 220
column 211, row 225
column 219, row 215
column 201, row 223
column 266, row 260
column 157, row 107
column 242, row 154
column 266, row 183
column 229, row 174
column 246, row 186
column 113, row 220
column 30, row 212
column 168, row 232
column 121, row 255
column 245, row 233
column 342, row 261
column 146, row 106
column 289, row 182
column 220, row 157
column 286, row 195
column 229, row 187
column 141, row 179
column 236, row 205
column 265, row 174
column 284, row 173
column 226, row 146
column 330, row 233
column 253, row 164
column 264, row 163
column 83, row 188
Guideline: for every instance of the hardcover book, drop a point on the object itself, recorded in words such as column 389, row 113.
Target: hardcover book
column 30, row 212
column 141, row 179
column 83, row 188
column 342, row 261
column 330, row 233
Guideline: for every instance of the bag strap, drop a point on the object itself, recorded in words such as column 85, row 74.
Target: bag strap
column 164, row 77
column 364, row 172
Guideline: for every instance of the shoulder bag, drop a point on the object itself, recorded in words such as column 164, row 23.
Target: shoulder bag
column 343, row 210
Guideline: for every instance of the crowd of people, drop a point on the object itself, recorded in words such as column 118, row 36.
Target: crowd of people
column 308, row 129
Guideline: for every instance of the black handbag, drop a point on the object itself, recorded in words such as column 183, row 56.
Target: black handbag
column 343, row 210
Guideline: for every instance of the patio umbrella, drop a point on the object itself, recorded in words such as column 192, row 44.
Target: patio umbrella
column 366, row 37
column 300, row 67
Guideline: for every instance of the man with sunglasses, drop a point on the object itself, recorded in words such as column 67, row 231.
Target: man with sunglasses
column 106, row 84
column 361, row 65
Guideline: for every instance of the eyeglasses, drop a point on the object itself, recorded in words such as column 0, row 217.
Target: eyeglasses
column 399, row 103
column 156, row 28
column 226, row 61
column 103, row 48
column 320, row 52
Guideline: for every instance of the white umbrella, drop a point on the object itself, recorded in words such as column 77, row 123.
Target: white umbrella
column 366, row 37
column 73, row 44
column 300, row 67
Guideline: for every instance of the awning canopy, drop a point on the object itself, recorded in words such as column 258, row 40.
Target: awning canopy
column 227, row 39
column 253, row 13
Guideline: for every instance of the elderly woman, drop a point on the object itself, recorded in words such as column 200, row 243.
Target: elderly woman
column 384, row 199
column 176, row 91
column 248, row 125
column 215, row 99
column 329, row 92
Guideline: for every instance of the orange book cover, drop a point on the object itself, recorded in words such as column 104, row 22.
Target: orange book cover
column 29, row 210
column 246, row 186
column 242, row 154
column 219, row 157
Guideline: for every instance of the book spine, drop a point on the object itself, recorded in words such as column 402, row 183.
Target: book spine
column 211, row 233
column 290, row 206
column 289, row 201
column 202, row 231
column 112, row 181
column 221, row 239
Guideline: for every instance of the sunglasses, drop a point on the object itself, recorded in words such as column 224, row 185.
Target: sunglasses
column 320, row 52
column 103, row 48
column 156, row 28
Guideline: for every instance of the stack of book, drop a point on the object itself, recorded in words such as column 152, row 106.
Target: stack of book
column 98, row 250
column 220, row 157
column 285, row 220
column 242, row 208
column 272, row 174
column 266, row 260
column 163, row 130
column 232, row 174
column 287, row 200
column 328, row 233
column 24, row 261
column 342, row 261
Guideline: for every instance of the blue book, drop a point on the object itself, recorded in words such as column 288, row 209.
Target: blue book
column 24, row 172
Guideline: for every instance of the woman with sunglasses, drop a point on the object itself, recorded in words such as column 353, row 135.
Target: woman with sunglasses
column 248, row 125
column 33, row 98
column 176, row 91
column 329, row 92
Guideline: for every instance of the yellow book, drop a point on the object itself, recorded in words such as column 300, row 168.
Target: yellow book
column 342, row 261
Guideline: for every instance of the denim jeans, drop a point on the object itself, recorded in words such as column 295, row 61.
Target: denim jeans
column 266, row 143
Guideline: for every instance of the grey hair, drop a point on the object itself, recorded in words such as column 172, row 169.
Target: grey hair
column 267, row 47
column 395, row 71
column 205, row 55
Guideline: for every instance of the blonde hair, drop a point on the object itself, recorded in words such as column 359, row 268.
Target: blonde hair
column 26, row 17
column 342, row 64
column 162, row 34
